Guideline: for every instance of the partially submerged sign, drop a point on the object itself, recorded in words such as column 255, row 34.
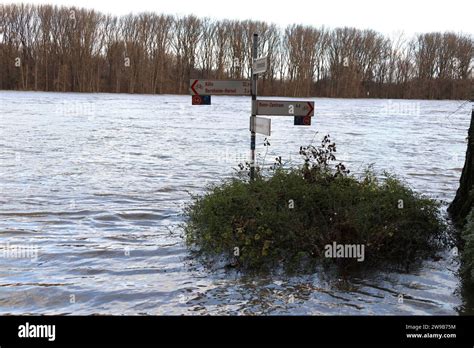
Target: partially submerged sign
column 285, row 108
column 260, row 65
column 260, row 125
column 219, row 87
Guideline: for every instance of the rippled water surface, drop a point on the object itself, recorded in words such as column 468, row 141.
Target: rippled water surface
column 95, row 183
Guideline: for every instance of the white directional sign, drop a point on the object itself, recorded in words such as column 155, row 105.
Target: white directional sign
column 219, row 87
column 285, row 108
column 261, row 125
column 260, row 65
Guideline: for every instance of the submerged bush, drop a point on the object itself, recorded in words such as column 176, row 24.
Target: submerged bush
column 291, row 217
column 467, row 268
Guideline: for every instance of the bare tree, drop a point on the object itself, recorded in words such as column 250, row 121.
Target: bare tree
column 53, row 48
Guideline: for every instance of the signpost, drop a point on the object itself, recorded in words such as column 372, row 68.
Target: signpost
column 260, row 65
column 219, row 87
column 260, row 125
column 201, row 91
column 285, row 108
column 253, row 135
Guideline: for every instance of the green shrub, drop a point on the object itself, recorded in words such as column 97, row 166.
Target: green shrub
column 467, row 268
column 287, row 218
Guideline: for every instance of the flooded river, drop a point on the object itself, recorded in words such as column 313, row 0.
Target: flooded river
column 92, row 188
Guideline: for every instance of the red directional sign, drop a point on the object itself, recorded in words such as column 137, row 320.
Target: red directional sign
column 285, row 108
column 219, row 87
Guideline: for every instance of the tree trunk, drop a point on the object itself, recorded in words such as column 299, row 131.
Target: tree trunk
column 464, row 200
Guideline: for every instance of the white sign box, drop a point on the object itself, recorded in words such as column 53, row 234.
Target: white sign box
column 260, row 65
column 260, row 125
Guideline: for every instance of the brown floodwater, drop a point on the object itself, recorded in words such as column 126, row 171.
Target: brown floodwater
column 92, row 188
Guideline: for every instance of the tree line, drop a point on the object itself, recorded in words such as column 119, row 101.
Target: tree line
column 51, row 48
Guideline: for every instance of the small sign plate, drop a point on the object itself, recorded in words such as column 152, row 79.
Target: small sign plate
column 262, row 125
column 201, row 100
column 260, row 66
column 302, row 121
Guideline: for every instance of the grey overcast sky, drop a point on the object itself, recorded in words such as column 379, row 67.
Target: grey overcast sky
column 408, row 16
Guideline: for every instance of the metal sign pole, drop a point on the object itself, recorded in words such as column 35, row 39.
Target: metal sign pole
column 254, row 108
